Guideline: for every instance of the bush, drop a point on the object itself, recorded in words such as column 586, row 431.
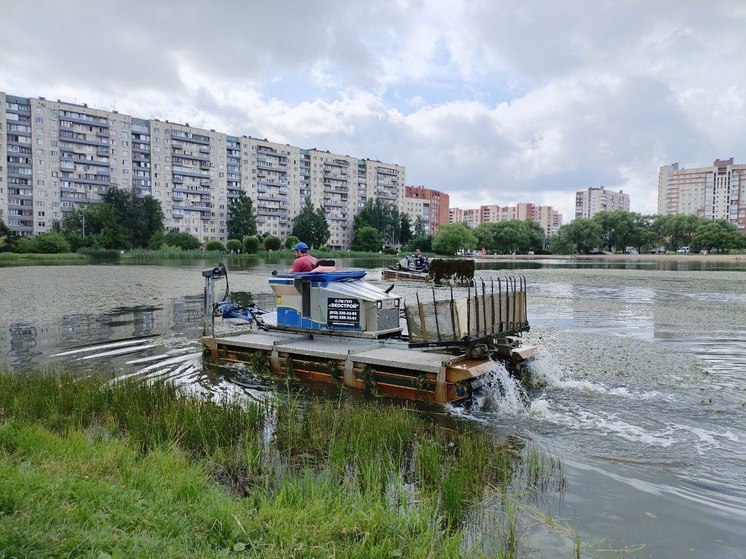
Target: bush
column 24, row 245
column 251, row 244
column 184, row 241
column 157, row 240
column 215, row 246
column 291, row 241
column 234, row 245
column 424, row 243
column 99, row 253
column 272, row 243
column 51, row 243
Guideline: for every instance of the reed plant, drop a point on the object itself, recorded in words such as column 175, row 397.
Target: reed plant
column 43, row 258
column 95, row 466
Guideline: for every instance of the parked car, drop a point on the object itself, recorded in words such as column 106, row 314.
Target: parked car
column 630, row 250
column 658, row 250
column 683, row 250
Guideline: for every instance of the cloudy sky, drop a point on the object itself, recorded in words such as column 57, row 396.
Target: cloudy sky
column 491, row 101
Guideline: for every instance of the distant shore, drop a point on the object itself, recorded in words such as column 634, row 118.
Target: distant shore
column 691, row 257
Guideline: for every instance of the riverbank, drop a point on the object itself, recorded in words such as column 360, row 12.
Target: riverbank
column 669, row 257
column 129, row 469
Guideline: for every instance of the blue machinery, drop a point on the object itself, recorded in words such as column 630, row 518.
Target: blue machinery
column 332, row 326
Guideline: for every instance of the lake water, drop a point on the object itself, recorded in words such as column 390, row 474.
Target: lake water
column 644, row 365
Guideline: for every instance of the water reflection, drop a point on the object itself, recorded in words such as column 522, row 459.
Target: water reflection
column 643, row 367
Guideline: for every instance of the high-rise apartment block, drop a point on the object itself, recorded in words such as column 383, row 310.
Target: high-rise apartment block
column 546, row 216
column 63, row 155
column 430, row 205
column 715, row 192
column 597, row 199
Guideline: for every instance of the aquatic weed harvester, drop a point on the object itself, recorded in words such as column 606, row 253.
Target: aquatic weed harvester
column 330, row 325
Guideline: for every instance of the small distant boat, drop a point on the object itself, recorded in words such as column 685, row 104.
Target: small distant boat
column 406, row 269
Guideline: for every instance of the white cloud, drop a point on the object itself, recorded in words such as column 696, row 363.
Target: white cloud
column 491, row 101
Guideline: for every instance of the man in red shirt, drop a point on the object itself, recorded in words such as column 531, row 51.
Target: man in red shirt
column 304, row 262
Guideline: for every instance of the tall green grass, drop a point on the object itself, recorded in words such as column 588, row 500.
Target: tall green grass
column 92, row 466
column 41, row 258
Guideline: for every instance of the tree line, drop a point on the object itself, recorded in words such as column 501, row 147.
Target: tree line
column 618, row 229
column 126, row 221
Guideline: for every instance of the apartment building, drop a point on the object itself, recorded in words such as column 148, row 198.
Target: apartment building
column 432, row 206
column 546, row 216
column 597, row 199
column 714, row 192
column 469, row 217
column 62, row 155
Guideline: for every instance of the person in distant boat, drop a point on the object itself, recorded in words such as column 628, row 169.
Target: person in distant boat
column 304, row 262
column 419, row 260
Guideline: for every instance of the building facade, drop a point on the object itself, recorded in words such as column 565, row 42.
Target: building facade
column 597, row 199
column 61, row 156
column 431, row 206
column 546, row 216
column 715, row 192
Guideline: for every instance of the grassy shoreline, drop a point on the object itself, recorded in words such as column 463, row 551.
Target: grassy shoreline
column 102, row 468
column 170, row 254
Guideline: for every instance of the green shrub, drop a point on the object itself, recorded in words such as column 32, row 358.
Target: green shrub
column 51, row 243
column 251, row 244
column 24, row 245
column 215, row 246
column 184, row 241
column 291, row 241
column 272, row 243
column 234, row 245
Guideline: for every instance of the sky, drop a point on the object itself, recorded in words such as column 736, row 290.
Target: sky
column 491, row 101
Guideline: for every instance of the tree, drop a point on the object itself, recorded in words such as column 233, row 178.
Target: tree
column 251, row 244
column 405, row 229
column 214, row 246
column 272, row 243
column 234, row 245
column 419, row 227
column 452, row 237
column 6, row 237
column 383, row 216
column 367, row 239
column 617, row 228
column 139, row 217
column 677, row 230
column 291, row 241
column 182, row 240
column 511, row 236
column 310, row 225
column 96, row 226
column 51, row 243
column 241, row 219
column 718, row 235
column 424, row 243
column 577, row 237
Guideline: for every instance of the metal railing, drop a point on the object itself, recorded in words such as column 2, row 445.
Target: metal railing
column 491, row 309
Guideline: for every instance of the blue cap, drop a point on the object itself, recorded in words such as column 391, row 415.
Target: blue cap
column 301, row 246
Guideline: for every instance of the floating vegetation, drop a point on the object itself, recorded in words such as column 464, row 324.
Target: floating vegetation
column 457, row 270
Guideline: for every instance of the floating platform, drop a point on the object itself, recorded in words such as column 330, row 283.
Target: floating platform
column 405, row 275
column 334, row 327
column 380, row 367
